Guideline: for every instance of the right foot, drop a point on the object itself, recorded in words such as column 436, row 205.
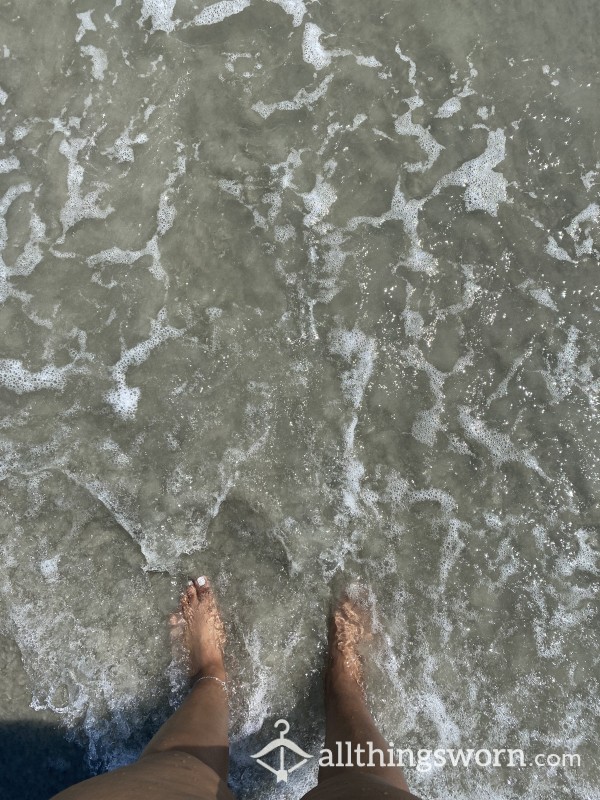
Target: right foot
column 349, row 628
column 203, row 631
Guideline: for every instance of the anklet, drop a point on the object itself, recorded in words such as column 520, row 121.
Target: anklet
column 211, row 678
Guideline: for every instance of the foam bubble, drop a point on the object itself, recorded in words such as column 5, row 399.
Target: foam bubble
column 559, row 253
column 122, row 150
column 9, row 164
column 449, row 108
column 484, row 188
column 124, row 399
column 566, row 375
column 498, row 445
column 165, row 216
column 99, row 60
column 20, row 132
column 318, row 201
column 405, row 126
column 31, row 255
column 86, row 24
column 49, row 568
column 296, row 9
column 160, row 12
column 355, row 347
column 17, row 378
column 313, row 51
column 300, row 99
column 79, row 206
column 217, row 12
column 584, row 244
column 589, row 178
column 541, row 296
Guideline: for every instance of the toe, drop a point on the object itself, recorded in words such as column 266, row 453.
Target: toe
column 190, row 593
column 202, row 586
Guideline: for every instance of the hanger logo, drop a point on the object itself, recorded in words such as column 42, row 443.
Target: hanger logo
column 282, row 744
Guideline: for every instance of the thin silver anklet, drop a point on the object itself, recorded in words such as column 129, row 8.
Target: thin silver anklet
column 211, row 678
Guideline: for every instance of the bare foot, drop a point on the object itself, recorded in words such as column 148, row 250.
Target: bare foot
column 350, row 626
column 203, row 634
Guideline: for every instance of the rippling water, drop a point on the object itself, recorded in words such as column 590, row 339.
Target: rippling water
column 297, row 293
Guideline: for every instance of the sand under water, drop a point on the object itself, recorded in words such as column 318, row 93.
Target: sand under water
column 296, row 294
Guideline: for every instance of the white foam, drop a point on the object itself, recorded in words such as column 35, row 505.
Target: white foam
column 99, row 60
column 9, row 164
column 357, row 348
column 556, row 251
column 79, row 206
column 31, row 255
column 18, row 379
column 498, row 445
column 231, row 187
column 318, row 201
column 405, row 126
column 122, row 150
column 49, row 569
column 124, row 399
column 407, row 211
column 295, row 8
column 301, row 98
column 412, row 66
column 584, row 244
column 284, row 233
column 566, row 375
column 467, row 89
column 502, row 389
column 313, row 51
column 11, row 194
column 160, row 11
column 165, row 216
column 449, row 108
column 485, row 189
column 368, row 61
column 589, row 179
column 586, row 558
column 541, row 296
column 20, row 132
column 217, row 12
column 86, row 24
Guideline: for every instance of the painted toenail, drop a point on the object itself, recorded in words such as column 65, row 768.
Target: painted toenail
column 190, row 583
column 201, row 581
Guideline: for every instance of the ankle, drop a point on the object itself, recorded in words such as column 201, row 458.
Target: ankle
column 210, row 670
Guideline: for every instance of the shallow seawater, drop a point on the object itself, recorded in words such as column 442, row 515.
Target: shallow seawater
column 297, row 294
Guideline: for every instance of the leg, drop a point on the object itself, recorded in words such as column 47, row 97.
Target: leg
column 347, row 717
column 188, row 757
column 200, row 724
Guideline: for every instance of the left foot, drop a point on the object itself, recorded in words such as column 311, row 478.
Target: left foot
column 203, row 631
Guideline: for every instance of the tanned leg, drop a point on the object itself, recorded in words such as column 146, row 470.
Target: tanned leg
column 347, row 717
column 200, row 724
column 189, row 755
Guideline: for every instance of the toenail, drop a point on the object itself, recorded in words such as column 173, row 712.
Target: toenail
column 201, row 580
column 190, row 583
